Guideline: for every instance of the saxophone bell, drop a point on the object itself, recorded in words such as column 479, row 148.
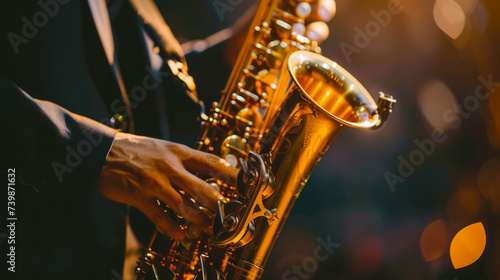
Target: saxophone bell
column 322, row 100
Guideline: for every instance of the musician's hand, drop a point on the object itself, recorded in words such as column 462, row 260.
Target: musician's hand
column 321, row 13
column 140, row 170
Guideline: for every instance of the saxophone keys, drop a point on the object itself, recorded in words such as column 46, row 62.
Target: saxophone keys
column 303, row 9
column 234, row 147
column 317, row 31
column 247, row 118
column 299, row 29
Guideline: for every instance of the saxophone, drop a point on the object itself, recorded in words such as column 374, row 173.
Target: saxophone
column 281, row 109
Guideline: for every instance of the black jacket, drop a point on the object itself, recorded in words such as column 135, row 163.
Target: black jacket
column 64, row 228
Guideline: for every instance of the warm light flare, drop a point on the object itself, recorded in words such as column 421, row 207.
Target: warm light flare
column 434, row 241
column 449, row 17
column 367, row 257
column 465, row 206
column 434, row 98
column 468, row 6
column 468, row 245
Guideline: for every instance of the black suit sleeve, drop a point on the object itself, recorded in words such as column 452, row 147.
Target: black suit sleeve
column 50, row 147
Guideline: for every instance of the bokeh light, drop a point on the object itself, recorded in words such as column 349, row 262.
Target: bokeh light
column 468, row 245
column 494, row 106
column 449, row 17
column 488, row 181
column 465, row 206
column 367, row 257
column 489, row 177
column 434, row 98
column 467, row 6
column 434, row 241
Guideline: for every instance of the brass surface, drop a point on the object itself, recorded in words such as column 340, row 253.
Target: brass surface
column 282, row 106
column 323, row 100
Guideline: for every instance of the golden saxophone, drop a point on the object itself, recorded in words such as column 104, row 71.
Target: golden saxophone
column 282, row 107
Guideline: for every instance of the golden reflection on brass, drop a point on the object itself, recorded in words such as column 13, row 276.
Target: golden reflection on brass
column 282, row 107
column 313, row 113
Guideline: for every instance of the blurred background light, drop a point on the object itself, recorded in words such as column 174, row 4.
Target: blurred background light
column 494, row 102
column 479, row 16
column 489, row 177
column 367, row 257
column 467, row 6
column 488, row 181
column 468, row 245
column 465, row 206
column 449, row 17
column 434, row 98
column 493, row 119
column 434, row 241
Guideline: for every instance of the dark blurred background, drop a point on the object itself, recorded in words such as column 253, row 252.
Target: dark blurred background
column 398, row 204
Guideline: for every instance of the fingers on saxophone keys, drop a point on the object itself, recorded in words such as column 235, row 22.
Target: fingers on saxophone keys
column 164, row 223
column 193, row 213
column 211, row 165
column 184, row 207
column 201, row 191
column 323, row 10
column 317, row 31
